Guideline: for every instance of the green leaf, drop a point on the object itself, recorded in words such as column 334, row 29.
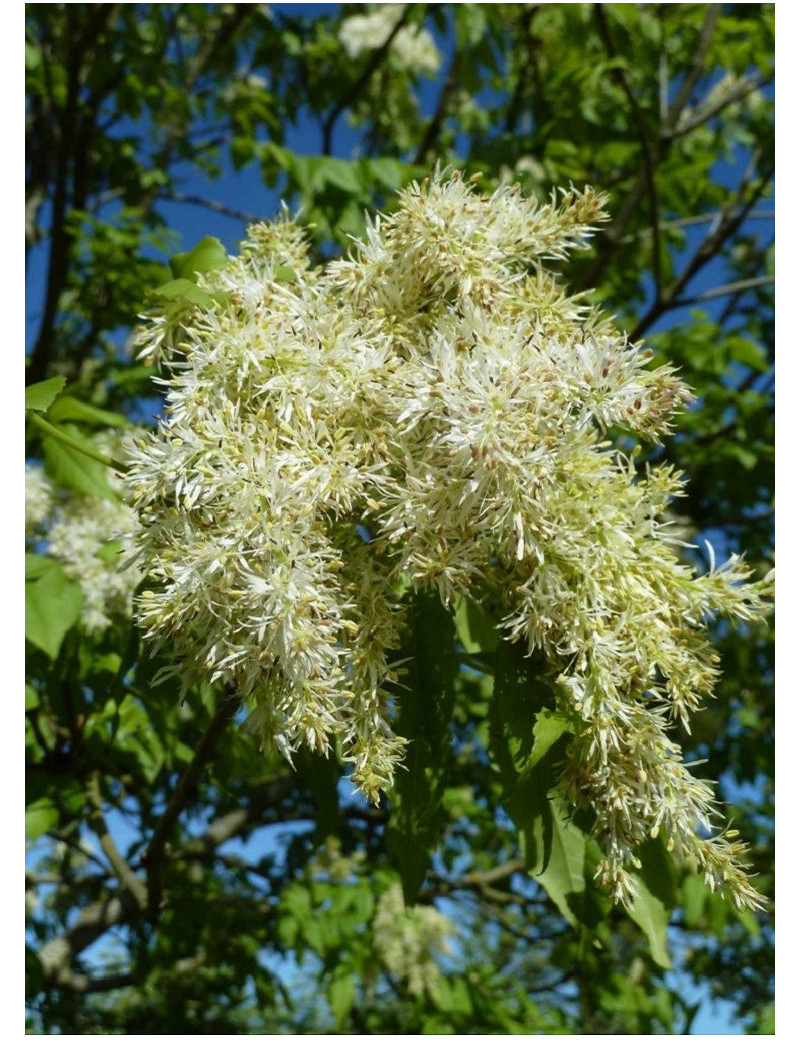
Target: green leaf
column 208, row 255
column 136, row 735
column 655, row 898
column 53, row 605
column 766, row 1021
column 321, row 776
column 34, row 971
column 67, row 408
column 342, row 992
column 475, row 628
column 71, row 468
column 346, row 175
column 40, row 396
column 185, row 289
column 243, row 150
column 452, row 995
column 527, row 743
column 470, row 24
column 519, row 695
column 548, row 730
column 748, row 353
column 426, row 708
column 40, row 816
column 31, row 697
column 36, row 564
column 390, row 173
column 553, row 845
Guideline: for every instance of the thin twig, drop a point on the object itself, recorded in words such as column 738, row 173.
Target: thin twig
column 731, row 219
column 92, row 922
column 216, row 207
column 432, row 130
column 694, row 221
column 745, row 87
column 725, row 290
column 97, row 821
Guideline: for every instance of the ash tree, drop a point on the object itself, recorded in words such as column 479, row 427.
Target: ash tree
column 410, row 671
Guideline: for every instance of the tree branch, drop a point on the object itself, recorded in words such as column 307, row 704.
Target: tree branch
column 58, row 953
column 154, row 857
column 702, row 218
column 694, row 72
column 611, row 239
column 122, row 907
column 731, row 219
column 119, row 865
column 440, row 114
column 483, row 881
column 746, row 86
column 215, row 207
column 649, row 157
column 725, row 290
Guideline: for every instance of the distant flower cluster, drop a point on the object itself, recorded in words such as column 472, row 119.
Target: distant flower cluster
column 432, row 412
column 411, row 44
column 408, row 939
column 88, row 535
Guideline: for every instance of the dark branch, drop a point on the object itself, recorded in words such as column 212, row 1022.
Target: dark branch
column 187, row 785
column 613, row 236
column 731, row 219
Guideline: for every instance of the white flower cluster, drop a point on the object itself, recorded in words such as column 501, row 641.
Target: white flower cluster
column 408, row 939
column 38, row 499
column 431, row 412
column 412, row 45
column 89, row 536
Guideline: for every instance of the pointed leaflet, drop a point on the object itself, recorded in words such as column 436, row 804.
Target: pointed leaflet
column 342, row 992
column 40, row 396
column 70, row 468
column 184, row 289
column 527, row 743
column 518, row 697
column 553, row 844
column 476, row 631
column 208, row 255
column 655, row 897
column 426, row 706
column 40, row 817
column 320, row 774
column 53, row 604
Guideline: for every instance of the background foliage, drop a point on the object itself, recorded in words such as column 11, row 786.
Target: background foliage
column 180, row 881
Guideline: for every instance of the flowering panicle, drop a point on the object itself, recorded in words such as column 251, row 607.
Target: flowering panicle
column 431, row 412
column 408, row 940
